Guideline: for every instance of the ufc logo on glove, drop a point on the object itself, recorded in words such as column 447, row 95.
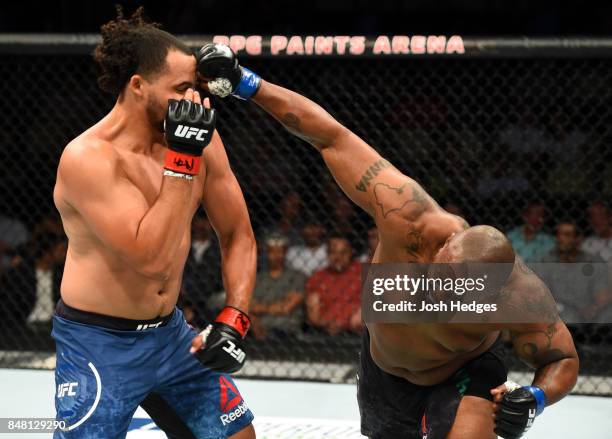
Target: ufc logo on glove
column 237, row 353
column 188, row 132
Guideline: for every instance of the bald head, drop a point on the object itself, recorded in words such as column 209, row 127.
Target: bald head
column 481, row 244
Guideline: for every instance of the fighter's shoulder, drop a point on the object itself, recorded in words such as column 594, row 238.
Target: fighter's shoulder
column 527, row 294
column 88, row 155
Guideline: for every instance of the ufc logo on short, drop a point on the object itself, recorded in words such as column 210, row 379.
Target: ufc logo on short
column 238, row 354
column 66, row 389
column 189, row 132
column 148, row 326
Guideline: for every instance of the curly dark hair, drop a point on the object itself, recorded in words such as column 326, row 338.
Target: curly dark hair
column 132, row 45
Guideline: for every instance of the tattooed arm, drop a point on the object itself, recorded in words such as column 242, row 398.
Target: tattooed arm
column 547, row 345
column 366, row 178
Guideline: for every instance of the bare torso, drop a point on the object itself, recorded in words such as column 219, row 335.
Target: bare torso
column 424, row 354
column 95, row 278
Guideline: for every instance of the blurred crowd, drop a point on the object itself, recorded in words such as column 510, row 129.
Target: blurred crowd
column 308, row 279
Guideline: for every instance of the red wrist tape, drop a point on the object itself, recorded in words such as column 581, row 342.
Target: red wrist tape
column 183, row 163
column 235, row 318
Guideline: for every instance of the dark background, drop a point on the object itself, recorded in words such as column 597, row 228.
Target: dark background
column 465, row 17
column 440, row 120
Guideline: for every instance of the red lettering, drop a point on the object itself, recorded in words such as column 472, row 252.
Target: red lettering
column 253, row 45
column 417, row 44
column 382, row 45
column 295, row 45
column 436, row 44
column 341, row 42
column 455, row 45
column 309, row 45
column 357, row 45
column 237, row 43
column 400, row 43
column 221, row 39
column 277, row 43
column 324, row 45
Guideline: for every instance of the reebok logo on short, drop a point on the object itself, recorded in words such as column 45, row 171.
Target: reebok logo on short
column 231, row 403
column 189, row 132
column 230, row 397
column 232, row 416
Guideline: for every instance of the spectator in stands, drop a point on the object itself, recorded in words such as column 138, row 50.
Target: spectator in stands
column 343, row 218
column 333, row 294
column 202, row 275
column 12, row 235
column 372, row 244
column 312, row 254
column 566, row 248
column 30, row 288
column 600, row 242
column 289, row 222
column 578, row 293
column 277, row 307
column 527, row 135
column 528, row 240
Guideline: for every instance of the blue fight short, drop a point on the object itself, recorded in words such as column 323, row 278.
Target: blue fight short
column 107, row 366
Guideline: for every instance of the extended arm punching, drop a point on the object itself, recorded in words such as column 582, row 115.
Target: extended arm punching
column 366, row 177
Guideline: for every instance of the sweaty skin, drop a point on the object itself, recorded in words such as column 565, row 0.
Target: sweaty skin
column 413, row 228
column 129, row 226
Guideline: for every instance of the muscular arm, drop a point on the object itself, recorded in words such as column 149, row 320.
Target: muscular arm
column 145, row 236
column 550, row 350
column 547, row 346
column 228, row 214
column 366, row 178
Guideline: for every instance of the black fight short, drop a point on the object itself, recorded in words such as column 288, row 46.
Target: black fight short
column 393, row 408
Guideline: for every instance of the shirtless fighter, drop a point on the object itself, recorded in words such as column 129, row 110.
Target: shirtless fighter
column 423, row 380
column 127, row 190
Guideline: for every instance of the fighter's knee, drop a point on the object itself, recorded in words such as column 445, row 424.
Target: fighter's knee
column 246, row 433
column 474, row 419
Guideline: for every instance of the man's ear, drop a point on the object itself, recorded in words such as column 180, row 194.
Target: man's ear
column 136, row 84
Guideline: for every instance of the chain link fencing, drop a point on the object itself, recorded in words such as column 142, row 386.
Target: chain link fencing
column 486, row 136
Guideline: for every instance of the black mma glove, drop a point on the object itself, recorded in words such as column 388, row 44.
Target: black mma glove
column 517, row 411
column 189, row 128
column 219, row 66
column 223, row 341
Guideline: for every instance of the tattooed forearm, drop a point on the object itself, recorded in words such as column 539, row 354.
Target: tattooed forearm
column 414, row 242
column 393, row 199
column 535, row 347
column 293, row 124
column 529, row 348
column 370, row 174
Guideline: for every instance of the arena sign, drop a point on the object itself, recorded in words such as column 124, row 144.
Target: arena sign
column 357, row 45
